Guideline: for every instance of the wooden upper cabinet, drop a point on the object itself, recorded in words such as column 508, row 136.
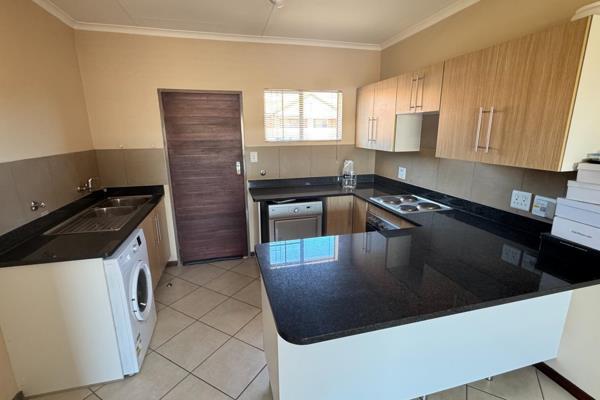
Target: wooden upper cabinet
column 530, row 102
column 364, row 116
column 468, row 81
column 405, row 96
column 384, row 114
column 533, row 96
column 420, row 91
column 429, row 88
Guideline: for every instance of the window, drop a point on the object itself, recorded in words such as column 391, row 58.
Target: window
column 302, row 115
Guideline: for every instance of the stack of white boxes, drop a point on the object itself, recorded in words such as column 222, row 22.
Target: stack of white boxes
column 578, row 216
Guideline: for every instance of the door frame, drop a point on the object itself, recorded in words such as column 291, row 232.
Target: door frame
column 239, row 93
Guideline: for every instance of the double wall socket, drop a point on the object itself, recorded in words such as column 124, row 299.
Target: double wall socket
column 521, row 200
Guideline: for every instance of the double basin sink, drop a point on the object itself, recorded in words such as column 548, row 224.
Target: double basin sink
column 108, row 215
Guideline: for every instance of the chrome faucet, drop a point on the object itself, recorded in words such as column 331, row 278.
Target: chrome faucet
column 88, row 186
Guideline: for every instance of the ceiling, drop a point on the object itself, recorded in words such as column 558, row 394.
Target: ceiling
column 341, row 23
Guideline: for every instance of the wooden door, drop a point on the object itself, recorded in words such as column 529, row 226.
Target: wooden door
column 364, row 115
column 204, row 142
column 534, row 93
column 405, row 95
column 359, row 215
column 384, row 113
column 429, row 88
column 339, row 215
column 467, row 88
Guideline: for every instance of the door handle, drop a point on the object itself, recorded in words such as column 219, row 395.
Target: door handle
column 238, row 167
column 417, row 103
column 412, row 84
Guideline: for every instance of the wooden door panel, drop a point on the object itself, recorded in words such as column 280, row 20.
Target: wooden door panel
column 430, row 85
column 203, row 132
column 359, row 215
column 339, row 215
column 364, row 112
column 533, row 95
column 467, row 86
column 405, row 99
column 384, row 111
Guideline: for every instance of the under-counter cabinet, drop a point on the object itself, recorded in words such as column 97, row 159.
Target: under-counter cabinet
column 339, row 215
column 529, row 102
column 420, row 91
column 359, row 215
column 157, row 240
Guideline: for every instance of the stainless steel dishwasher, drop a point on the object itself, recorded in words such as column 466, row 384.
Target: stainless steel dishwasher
column 291, row 221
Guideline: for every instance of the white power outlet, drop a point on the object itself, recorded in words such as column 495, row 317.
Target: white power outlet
column 521, row 200
column 401, row 173
column 253, row 157
column 544, row 207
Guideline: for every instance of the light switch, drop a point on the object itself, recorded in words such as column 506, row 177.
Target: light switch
column 253, row 157
column 401, row 173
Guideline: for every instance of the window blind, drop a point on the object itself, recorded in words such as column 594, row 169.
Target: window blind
column 302, row 115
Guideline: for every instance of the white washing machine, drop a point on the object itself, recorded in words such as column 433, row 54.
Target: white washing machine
column 130, row 289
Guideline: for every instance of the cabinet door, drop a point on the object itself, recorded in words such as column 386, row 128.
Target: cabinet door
column 466, row 93
column 384, row 112
column 364, row 115
column 164, row 248
column 406, row 93
column 339, row 215
column 149, row 228
column 359, row 215
column 534, row 92
column 429, row 88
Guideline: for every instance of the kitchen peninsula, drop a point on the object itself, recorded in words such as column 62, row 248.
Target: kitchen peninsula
column 398, row 315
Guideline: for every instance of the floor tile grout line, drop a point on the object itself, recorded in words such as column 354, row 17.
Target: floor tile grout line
column 483, row 391
column 537, row 376
column 251, row 381
column 208, row 383
column 174, row 386
column 192, row 373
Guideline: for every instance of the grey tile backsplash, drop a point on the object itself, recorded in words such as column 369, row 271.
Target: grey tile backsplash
column 486, row 184
column 52, row 179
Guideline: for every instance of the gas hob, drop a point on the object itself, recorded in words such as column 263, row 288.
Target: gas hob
column 409, row 204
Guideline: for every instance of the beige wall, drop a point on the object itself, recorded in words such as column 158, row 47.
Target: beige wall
column 42, row 108
column 8, row 385
column 481, row 25
column 121, row 74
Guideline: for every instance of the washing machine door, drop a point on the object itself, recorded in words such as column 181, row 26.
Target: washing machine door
column 140, row 291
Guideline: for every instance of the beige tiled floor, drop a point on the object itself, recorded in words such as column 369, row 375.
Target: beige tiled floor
column 207, row 345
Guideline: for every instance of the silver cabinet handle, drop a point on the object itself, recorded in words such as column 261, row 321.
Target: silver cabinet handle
column 369, row 126
column 489, row 130
column 238, row 167
column 478, row 133
column 422, row 80
column 412, row 84
column 157, row 227
column 375, row 129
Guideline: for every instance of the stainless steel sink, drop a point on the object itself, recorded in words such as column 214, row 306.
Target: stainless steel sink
column 108, row 215
column 134, row 201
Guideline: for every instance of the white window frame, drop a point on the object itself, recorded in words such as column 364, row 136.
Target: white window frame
column 301, row 128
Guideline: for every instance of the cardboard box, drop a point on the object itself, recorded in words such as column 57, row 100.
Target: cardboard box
column 588, row 173
column 586, row 192
column 577, row 232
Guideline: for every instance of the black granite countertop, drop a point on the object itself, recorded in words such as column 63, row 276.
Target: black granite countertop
column 29, row 245
column 452, row 261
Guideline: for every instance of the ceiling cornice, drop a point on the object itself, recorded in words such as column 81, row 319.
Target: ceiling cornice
column 446, row 12
column 136, row 30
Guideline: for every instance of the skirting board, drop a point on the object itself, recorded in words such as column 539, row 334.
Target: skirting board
column 563, row 382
